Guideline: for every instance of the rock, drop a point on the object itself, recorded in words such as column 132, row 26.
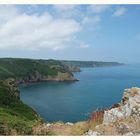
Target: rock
column 133, row 133
column 123, row 128
column 115, row 105
column 68, row 123
column 48, row 124
column 129, row 134
column 136, row 132
column 130, row 105
column 93, row 133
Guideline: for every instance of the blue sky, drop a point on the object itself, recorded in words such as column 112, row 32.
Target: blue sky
column 72, row 32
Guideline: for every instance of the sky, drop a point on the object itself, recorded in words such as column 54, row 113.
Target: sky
column 71, row 32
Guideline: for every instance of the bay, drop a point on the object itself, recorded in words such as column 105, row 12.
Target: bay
column 97, row 88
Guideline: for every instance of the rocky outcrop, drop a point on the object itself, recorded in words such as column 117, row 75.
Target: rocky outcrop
column 30, row 70
column 92, row 133
column 129, row 106
column 37, row 77
column 122, row 118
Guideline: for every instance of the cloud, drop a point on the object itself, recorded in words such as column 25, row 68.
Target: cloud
column 64, row 7
column 97, row 9
column 33, row 32
column 120, row 11
column 94, row 20
column 84, row 45
column 7, row 12
column 67, row 10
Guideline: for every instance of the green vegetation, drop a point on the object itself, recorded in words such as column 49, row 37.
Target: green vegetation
column 32, row 70
column 91, row 63
column 19, row 68
column 16, row 118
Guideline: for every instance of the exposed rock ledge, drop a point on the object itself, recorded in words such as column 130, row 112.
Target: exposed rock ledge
column 123, row 118
column 129, row 106
column 35, row 76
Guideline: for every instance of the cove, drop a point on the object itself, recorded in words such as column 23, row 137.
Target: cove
column 75, row 101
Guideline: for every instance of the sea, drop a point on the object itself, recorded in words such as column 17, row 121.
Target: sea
column 98, row 88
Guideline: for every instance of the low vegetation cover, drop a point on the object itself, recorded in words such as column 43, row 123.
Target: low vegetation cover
column 16, row 118
column 10, row 67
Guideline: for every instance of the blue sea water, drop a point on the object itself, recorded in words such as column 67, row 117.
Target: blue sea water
column 75, row 101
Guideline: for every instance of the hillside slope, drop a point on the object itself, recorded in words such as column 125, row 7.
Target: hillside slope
column 16, row 118
column 29, row 70
column 91, row 63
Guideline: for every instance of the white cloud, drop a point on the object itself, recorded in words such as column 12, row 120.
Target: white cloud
column 94, row 20
column 67, row 10
column 22, row 31
column 7, row 12
column 84, row 45
column 97, row 9
column 120, row 11
column 64, row 7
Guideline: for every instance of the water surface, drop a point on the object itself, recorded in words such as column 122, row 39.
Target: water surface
column 74, row 101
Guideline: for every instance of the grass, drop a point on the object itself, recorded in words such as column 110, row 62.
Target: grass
column 19, row 68
column 80, row 128
column 96, row 118
column 61, row 129
column 16, row 118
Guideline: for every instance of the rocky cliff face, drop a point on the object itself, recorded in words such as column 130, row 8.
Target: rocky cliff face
column 129, row 106
column 38, row 77
column 30, row 70
column 123, row 118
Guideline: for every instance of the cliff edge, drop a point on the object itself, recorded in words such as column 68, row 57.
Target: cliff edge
column 16, row 118
column 123, row 118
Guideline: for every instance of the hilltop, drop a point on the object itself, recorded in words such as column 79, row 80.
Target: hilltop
column 32, row 70
column 90, row 63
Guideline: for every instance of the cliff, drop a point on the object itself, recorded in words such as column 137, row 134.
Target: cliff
column 123, row 118
column 80, row 64
column 34, row 70
column 16, row 118
column 31, row 70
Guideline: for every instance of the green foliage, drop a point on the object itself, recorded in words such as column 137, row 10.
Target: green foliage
column 15, row 116
column 91, row 63
column 18, row 68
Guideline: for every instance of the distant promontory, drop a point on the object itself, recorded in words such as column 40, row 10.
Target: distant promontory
column 25, row 70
